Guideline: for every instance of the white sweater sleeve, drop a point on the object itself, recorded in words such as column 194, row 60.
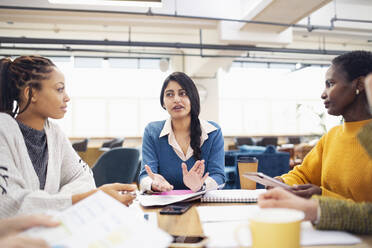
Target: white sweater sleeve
column 20, row 195
column 19, row 185
column 76, row 175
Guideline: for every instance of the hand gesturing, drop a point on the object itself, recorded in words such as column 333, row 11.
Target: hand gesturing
column 158, row 181
column 194, row 178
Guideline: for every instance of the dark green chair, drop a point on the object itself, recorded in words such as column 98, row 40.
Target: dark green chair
column 118, row 165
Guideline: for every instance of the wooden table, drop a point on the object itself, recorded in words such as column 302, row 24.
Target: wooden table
column 91, row 155
column 189, row 224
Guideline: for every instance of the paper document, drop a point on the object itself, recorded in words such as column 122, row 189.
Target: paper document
column 162, row 200
column 220, row 222
column 311, row 236
column 222, row 234
column 175, row 192
column 100, row 221
column 230, row 213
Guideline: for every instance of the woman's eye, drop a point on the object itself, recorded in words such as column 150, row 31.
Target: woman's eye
column 61, row 89
column 329, row 84
column 169, row 94
column 183, row 93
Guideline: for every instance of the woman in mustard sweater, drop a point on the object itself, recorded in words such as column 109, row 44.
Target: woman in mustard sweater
column 338, row 166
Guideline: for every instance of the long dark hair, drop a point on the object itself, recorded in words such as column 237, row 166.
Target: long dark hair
column 189, row 86
column 24, row 71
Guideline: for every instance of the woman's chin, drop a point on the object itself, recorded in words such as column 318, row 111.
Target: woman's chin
column 57, row 116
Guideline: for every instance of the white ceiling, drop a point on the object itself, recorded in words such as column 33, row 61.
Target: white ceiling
column 22, row 18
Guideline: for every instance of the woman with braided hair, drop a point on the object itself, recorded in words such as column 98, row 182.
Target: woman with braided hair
column 39, row 169
column 176, row 152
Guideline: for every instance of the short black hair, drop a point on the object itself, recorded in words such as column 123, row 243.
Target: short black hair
column 354, row 64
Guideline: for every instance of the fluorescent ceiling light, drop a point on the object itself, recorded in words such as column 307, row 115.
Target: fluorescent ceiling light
column 125, row 3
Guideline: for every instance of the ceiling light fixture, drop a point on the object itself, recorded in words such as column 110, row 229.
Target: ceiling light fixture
column 124, row 3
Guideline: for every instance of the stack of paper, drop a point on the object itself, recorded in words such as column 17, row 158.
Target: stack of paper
column 166, row 199
column 101, row 221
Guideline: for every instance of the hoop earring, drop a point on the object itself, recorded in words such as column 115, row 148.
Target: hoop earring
column 357, row 92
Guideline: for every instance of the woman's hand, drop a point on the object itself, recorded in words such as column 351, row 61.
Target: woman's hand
column 20, row 241
column 158, row 181
column 194, row 178
column 10, row 227
column 120, row 192
column 306, row 190
column 280, row 198
column 15, row 225
column 115, row 190
column 276, row 178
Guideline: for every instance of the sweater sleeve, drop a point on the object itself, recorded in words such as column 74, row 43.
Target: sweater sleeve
column 17, row 197
column 20, row 193
column 310, row 169
column 337, row 214
column 326, row 192
column 216, row 159
column 76, row 175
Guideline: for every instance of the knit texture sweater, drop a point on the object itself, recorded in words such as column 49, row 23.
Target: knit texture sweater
column 344, row 215
column 162, row 159
column 338, row 164
column 36, row 143
column 20, row 190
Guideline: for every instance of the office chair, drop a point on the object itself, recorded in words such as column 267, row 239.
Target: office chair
column 118, row 165
column 268, row 141
column 244, row 141
column 116, row 142
column 294, row 140
column 80, row 146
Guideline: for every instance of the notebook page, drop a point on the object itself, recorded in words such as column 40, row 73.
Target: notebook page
column 232, row 195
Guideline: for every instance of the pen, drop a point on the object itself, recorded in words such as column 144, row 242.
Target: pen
column 133, row 193
column 146, row 216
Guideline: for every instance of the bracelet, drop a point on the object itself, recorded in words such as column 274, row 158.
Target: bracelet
column 203, row 187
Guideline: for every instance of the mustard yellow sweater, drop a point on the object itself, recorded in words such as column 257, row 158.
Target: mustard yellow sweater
column 338, row 164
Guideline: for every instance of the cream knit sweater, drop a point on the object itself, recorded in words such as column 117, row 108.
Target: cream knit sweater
column 20, row 191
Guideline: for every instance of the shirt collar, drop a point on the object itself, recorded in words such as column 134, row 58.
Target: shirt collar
column 167, row 128
column 205, row 126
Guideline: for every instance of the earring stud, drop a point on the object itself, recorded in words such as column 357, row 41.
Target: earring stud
column 357, row 92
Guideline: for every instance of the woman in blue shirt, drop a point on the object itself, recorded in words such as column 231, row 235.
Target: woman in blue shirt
column 176, row 152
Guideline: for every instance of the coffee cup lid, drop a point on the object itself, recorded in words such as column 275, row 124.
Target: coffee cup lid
column 247, row 159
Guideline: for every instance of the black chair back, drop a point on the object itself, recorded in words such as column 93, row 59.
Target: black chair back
column 268, row 141
column 117, row 142
column 244, row 141
column 116, row 165
column 80, row 146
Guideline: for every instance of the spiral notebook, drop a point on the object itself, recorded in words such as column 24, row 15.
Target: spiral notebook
column 232, row 195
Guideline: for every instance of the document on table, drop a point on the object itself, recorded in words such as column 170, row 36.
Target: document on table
column 220, row 222
column 222, row 234
column 101, row 221
column 162, row 200
column 226, row 213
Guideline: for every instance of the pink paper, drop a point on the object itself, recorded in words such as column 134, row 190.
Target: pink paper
column 175, row 192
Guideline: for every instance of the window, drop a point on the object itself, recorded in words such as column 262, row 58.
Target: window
column 116, row 98
column 257, row 100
